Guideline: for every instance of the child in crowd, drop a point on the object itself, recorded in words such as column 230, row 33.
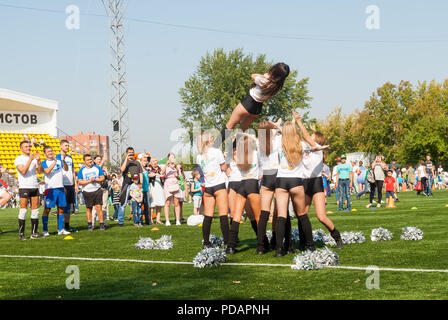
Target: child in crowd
column 136, row 194
column 197, row 192
column 115, row 196
column 390, row 189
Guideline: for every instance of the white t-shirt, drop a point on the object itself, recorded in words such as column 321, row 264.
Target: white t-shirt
column 421, row 172
column 271, row 163
column 54, row 179
column 211, row 166
column 88, row 173
column 255, row 169
column 29, row 180
column 256, row 92
column 235, row 174
column 334, row 173
column 68, row 175
column 287, row 171
column 312, row 162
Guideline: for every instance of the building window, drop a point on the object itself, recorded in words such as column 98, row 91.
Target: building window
column 93, row 142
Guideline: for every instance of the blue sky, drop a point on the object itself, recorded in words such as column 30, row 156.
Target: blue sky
column 40, row 56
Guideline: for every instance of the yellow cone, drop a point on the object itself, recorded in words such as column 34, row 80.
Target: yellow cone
column 68, row 238
column 354, row 210
column 414, row 208
column 200, row 225
column 446, row 205
column 155, row 229
column 330, row 212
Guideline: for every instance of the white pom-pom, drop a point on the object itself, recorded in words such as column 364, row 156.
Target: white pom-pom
column 295, row 234
column 209, row 257
column 318, row 235
column 163, row 243
column 215, row 241
column 269, row 235
column 411, row 233
column 381, row 234
column 349, row 237
column 315, row 260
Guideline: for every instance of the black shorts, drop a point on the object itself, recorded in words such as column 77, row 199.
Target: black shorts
column 248, row 186
column 234, row 185
column 28, row 193
column 288, row 183
column 93, row 198
column 70, row 194
column 212, row 190
column 313, row 186
column 252, row 106
column 269, row 181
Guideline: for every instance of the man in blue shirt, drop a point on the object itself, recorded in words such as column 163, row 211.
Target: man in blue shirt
column 344, row 181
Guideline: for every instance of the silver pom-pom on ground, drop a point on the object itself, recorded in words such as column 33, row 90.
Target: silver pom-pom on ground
column 315, row 260
column 209, row 257
column 215, row 241
column 295, row 234
column 269, row 234
column 349, row 237
column 163, row 243
column 381, row 234
column 411, row 233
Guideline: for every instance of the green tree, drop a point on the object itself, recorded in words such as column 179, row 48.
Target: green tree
column 222, row 79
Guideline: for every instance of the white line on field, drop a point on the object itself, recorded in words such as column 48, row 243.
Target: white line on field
column 227, row 263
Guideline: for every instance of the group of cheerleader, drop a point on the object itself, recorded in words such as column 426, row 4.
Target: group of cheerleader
column 286, row 159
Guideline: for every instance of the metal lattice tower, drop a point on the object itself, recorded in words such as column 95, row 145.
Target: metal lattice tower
column 119, row 93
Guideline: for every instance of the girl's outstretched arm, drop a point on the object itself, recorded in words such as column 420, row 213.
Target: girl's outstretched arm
column 305, row 133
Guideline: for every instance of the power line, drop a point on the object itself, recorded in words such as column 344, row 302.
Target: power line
column 233, row 32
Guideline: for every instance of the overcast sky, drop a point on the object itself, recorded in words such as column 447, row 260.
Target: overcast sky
column 326, row 41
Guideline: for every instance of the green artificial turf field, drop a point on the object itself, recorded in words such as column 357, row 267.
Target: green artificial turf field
column 37, row 278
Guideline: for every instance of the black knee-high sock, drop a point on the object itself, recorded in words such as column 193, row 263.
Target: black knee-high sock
column 34, row 225
column 261, row 228
column 21, row 227
column 279, row 232
column 273, row 239
column 288, row 243
column 206, row 226
column 254, row 226
column 307, row 231
column 233, row 234
column 230, row 223
column 302, row 240
column 224, row 228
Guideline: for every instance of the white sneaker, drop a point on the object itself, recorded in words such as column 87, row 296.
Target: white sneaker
column 378, row 205
column 382, row 201
column 45, row 234
column 167, row 223
column 369, row 205
column 177, row 223
column 63, row 232
column 373, row 201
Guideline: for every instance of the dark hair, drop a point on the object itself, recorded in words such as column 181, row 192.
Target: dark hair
column 129, row 148
column 64, row 141
column 23, row 141
column 46, row 148
column 320, row 138
column 277, row 75
column 86, row 156
column 98, row 156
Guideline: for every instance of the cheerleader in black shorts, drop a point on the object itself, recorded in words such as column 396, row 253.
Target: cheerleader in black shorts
column 234, row 176
column 247, row 160
column 312, row 163
column 213, row 165
column 289, row 183
column 269, row 146
column 264, row 87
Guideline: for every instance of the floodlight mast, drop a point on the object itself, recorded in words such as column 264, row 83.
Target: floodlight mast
column 119, row 91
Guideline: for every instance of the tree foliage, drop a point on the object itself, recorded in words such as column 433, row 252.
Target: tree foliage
column 399, row 121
